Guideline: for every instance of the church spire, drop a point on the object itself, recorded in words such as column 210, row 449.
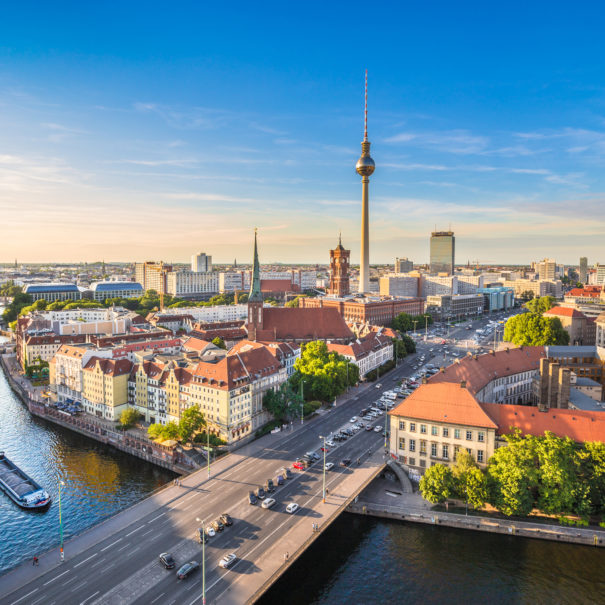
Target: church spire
column 255, row 291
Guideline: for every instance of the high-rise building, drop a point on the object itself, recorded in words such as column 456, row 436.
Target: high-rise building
column 365, row 167
column 583, row 269
column 546, row 269
column 339, row 270
column 403, row 265
column 442, row 252
column 201, row 263
column 600, row 274
column 152, row 276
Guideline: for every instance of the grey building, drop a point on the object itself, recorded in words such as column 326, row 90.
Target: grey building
column 442, row 252
column 403, row 265
column 583, row 269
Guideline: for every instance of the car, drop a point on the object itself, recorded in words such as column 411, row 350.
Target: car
column 268, row 502
column 378, row 386
column 369, row 427
column 226, row 520
column 202, row 537
column 353, row 420
column 377, row 428
column 217, row 525
column 260, row 493
column 287, row 473
column 252, row 499
column 345, row 462
column 313, row 455
column 292, row 508
column 210, row 531
column 330, row 443
column 186, row 570
column 329, row 466
column 167, row 560
column 301, row 465
column 280, row 480
column 228, row 560
column 325, row 449
column 269, row 487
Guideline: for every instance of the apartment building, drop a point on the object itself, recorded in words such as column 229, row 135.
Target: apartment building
column 367, row 353
column 105, row 387
column 192, row 285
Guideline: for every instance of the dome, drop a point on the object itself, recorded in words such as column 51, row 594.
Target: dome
column 365, row 165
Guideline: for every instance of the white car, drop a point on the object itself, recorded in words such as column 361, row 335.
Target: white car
column 329, row 466
column 292, row 508
column 268, row 502
column 377, row 429
column 228, row 560
column 353, row 420
column 210, row 532
column 330, row 443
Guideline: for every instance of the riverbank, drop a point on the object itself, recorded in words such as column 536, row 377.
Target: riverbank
column 385, row 499
column 168, row 457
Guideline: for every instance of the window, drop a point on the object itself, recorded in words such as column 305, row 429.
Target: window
column 469, row 450
column 423, row 448
column 479, row 455
column 469, row 435
column 434, row 430
column 413, row 461
column 412, row 427
column 446, row 432
column 433, row 449
column 456, row 433
column 423, row 429
column 481, row 436
column 445, row 452
column 401, row 443
column 412, row 445
column 402, row 425
column 423, row 463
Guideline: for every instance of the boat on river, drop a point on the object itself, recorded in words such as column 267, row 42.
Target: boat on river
column 20, row 487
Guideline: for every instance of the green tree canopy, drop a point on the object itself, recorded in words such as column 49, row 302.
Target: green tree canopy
column 219, row 342
column 129, row 417
column 540, row 305
column 437, row 484
column 191, row 421
column 532, row 329
column 283, row 403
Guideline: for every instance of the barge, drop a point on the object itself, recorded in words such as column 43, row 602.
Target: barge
column 20, row 487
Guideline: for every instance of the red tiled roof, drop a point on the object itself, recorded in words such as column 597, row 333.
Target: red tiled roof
column 195, row 344
column 565, row 312
column 362, row 347
column 323, row 323
column 111, row 367
column 578, row 425
column 480, row 370
column 444, row 402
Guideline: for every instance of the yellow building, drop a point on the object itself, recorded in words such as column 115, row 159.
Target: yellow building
column 437, row 420
column 105, row 387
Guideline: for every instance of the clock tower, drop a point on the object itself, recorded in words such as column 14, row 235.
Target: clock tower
column 339, row 270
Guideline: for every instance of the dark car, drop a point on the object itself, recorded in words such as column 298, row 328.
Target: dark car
column 287, row 473
column 217, row 525
column 252, row 499
column 167, row 560
column 260, row 492
column 202, row 536
column 226, row 519
column 269, row 485
column 279, row 479
column 345, row 462
column 186, row 570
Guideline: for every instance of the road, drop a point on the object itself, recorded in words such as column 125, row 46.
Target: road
column 123, row 566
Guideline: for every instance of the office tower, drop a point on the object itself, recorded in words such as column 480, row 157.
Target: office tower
column 583, row 269
column 365, row 167
column 403, row 265
column 442, row 252
column 201, row 263
column 546, row 269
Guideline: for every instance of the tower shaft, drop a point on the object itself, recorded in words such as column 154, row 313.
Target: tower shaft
column 364, row 264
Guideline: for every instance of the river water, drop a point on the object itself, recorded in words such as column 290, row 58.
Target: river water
column 99, row 481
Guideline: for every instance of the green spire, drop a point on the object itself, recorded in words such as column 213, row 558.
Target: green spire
column 255, row 293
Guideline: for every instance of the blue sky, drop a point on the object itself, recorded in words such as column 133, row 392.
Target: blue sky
column 155, row 130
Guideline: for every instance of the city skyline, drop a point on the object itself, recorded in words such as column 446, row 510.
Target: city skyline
column 130, row 147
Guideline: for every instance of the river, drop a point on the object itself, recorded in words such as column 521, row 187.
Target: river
column 99, row 481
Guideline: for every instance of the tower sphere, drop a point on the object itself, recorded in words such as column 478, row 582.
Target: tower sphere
column 365, row 165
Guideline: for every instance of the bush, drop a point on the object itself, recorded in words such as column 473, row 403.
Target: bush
column 265, row 430
column 129, row 417
column 215, row 440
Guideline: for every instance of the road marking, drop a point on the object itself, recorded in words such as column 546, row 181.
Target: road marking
column 25, row 596
column 160, row 515
column 69, row 581
column 157, row 598
column 38, row 600
column 90, row 597
column 186, row 507
column 55, row 578
column 135, row 549
column 89, row 558
column 123, row 547
column 110, row 545
column 147, row 532
column 137, row 529
column 78, row 586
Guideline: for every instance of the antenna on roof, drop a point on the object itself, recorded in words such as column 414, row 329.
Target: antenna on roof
column 365, row 118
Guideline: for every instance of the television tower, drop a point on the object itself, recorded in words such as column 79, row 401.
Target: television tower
column 365, row 167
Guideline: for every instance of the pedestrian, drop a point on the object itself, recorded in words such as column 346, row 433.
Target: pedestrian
column 35, row 561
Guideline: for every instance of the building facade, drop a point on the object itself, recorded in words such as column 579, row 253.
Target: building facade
column 448, row 307
column 583, row 270
column 116, row 289
column 403, row 265
column 152, row 275
column 339, row 271
column 201, row 263
column 443, row 244
column 52, row 292
column 399, row 285
column 192, row 285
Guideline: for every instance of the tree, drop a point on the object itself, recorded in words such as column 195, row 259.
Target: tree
column 129, row 416
column 592, row 473
column 171, row 431
column 192, row 420
column 513, row 475
column 540, row 305
column 155, row 431
column 410, row 344
column 219, row 342
column 437, row 484
column 295, row 302
column 527, row 295
column 532, row 329
column 400, row 348
column 470, row 483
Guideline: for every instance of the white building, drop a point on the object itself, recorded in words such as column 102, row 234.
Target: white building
column 546, row 269
column 469, row 284
column 367, row 353
column 433, row 285
column 189, row 284
column 395, row 284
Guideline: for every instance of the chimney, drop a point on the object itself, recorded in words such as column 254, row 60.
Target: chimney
column 463, row 384
column 553, row 383
column 544, row 378
column 564, row 388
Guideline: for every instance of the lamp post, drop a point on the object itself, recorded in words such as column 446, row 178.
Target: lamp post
column 302, row 402
column 203, row 559
column 61, row 483
column 324, row 469
column 426, row 327
column 415, row 322
column 386, row 415
column 208, row 450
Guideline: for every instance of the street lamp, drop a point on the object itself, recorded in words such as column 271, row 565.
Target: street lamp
column 61, row 522
column 208, row 449
column 324, row 471
column 202, row 523
column 302, row 402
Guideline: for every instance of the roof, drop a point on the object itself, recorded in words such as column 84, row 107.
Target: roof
column 109, row 286
column 584, row 381
column 110, row 367
column 581, row 401
column 573, row 351
column 479, row 370
column 578, row 425
column 284, row 323
column 600, row 318
column 444, row 402
column 196, row 344
column 565, row 312
column 277, row 285
column 42, row 288
column 362, row 347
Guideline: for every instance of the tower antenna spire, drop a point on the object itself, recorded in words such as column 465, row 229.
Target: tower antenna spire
column 365, row 116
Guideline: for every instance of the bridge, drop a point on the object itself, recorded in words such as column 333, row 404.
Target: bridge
column 117, row 561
